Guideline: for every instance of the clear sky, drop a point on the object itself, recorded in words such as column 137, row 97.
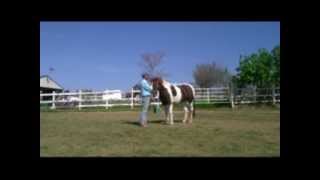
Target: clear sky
column 105, row 55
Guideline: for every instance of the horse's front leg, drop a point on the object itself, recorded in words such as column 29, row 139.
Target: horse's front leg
column 171, row 113
column 166, row 109
column 190, row 113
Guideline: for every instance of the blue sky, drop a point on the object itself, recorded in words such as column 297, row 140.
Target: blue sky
column 105, row 55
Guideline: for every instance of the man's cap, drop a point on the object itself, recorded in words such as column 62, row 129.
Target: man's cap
column 145, row 75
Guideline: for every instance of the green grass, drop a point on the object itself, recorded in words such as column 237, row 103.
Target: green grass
column 47, row 107
column 216, row 132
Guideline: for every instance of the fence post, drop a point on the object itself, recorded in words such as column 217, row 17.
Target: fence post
column 231, row 96
column 208, row 93
column 107, row 103
column 131, row 98
column 255, row 94
column 273, row 96
column 80, row 99
column 53, row 100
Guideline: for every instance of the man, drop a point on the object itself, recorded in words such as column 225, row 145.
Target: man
column 146, row 91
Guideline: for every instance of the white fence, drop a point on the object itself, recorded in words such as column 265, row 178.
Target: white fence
column 221, row 95
column 90, row 99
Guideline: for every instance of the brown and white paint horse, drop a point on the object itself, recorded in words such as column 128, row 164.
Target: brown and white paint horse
column 170, row 94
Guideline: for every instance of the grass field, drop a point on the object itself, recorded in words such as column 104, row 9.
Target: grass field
column 220, row 132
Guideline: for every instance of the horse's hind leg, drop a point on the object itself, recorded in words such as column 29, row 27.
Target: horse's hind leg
column 190, row 113
column 185, row 108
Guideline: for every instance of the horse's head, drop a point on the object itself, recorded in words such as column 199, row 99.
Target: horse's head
column 157, row 85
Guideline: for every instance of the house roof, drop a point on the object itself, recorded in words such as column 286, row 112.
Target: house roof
column 47, row 82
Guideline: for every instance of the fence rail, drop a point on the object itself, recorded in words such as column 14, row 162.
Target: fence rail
column 217, row 95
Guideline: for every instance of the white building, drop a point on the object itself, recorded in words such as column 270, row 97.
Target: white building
column 48, row 85
column 112, row 95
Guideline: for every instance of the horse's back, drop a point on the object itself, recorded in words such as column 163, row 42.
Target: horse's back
column 187, row 92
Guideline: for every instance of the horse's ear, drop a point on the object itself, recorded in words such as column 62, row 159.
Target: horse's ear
column 158, row 79
column 154, row 79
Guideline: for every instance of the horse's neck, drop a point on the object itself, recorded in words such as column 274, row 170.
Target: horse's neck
column 165, row 83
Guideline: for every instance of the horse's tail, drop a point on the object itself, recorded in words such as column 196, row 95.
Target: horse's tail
column 194, row 108
column 194, row 101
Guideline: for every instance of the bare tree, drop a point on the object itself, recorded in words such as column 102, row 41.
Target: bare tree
column 208, row 75
column 150, row 64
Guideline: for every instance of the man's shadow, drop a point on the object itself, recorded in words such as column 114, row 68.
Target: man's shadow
column 131, row 122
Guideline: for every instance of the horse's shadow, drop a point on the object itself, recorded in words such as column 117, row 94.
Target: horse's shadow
column 136, row 123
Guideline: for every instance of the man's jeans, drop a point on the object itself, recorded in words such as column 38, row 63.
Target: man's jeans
column 145, row 105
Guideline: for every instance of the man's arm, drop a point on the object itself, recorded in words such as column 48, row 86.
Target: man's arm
column 146, row 86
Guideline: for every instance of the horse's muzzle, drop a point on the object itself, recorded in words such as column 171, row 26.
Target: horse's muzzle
column 154, row 93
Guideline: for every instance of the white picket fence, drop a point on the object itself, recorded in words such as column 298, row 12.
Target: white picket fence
column 217, row 95
column 90, row 99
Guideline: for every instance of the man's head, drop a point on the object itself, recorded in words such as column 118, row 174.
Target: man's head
column 146, row 76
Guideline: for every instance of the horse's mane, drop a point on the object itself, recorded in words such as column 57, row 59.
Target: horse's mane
column 159, row 79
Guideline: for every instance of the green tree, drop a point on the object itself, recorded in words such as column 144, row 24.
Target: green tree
column 276, row 56
column 261, row 69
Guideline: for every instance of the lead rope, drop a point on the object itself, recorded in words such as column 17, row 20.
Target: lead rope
column 157, row 106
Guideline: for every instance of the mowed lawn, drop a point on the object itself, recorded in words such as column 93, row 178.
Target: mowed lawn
column 215, row 133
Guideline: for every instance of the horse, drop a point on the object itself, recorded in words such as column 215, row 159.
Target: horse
column 170, row 94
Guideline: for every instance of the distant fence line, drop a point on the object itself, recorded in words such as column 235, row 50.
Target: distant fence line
column 217, row 95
